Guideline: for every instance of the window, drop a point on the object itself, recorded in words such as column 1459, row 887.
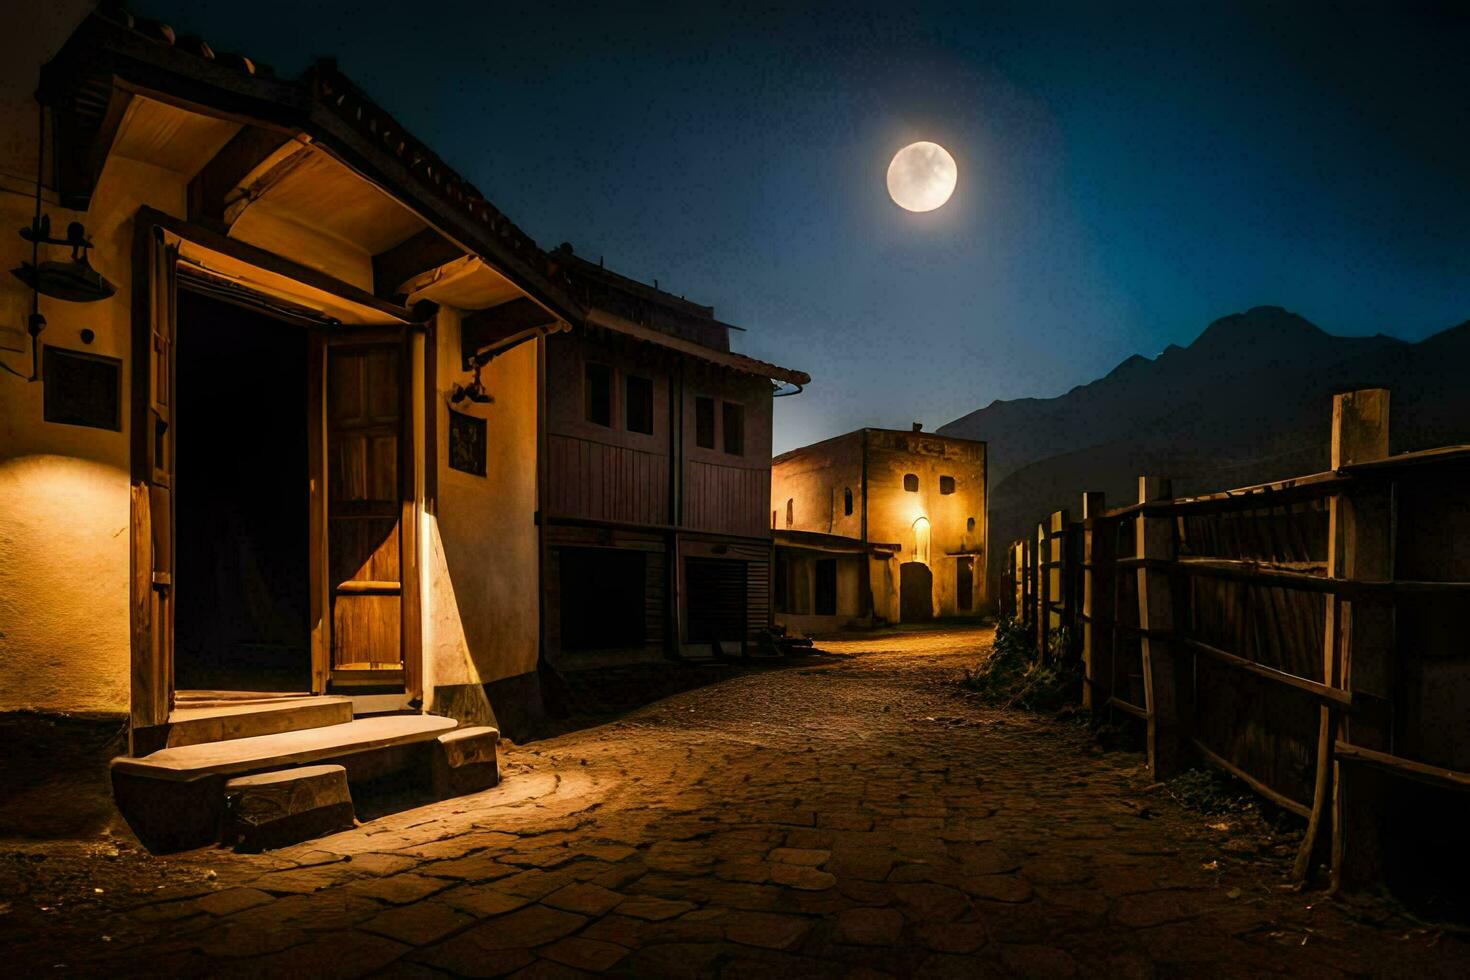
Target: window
column 946, row 484
column 790, row 511
column 597, row 389
column 639, row 405
column 911, row 482
column 704, row 422
column 824, row 598
column 734, row 419
column 970, row 524
column 847, row 501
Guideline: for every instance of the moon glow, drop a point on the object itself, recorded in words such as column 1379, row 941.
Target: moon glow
column 922, row 176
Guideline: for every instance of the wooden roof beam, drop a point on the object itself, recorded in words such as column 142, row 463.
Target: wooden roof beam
column 487, row 327
column 213, row 197
column 410, row 258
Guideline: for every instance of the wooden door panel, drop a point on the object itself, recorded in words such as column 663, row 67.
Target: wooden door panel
column 368, row 626
column 365, row 505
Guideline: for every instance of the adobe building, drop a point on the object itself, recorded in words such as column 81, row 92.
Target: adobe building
column 878, row 526
column 269, row 421
column 657, row 474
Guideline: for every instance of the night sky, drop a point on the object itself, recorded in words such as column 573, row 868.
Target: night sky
column 1127, row 173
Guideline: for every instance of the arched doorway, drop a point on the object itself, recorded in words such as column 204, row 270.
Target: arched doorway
column 916, row 580
column 915, row 592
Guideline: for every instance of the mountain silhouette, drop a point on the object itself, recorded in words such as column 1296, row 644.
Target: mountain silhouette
column 1248, row 402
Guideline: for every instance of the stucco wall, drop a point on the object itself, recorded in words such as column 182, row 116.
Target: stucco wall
column 893, row 511
column 814, row 479
column 64, row 565
column 481, row 607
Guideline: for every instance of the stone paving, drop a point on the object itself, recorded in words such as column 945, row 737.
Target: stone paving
column 848, row 816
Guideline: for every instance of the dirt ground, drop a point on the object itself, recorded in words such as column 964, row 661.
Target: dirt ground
column 854, row 814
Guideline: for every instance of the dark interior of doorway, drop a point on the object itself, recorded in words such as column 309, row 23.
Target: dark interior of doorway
column 602, row 598
column 242, row 615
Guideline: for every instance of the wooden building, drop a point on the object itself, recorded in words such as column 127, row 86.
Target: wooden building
column 657, row 473
column 878, row 526
column 269, row 461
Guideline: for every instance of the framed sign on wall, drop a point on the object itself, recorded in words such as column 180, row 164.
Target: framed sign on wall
column 466, row 443
column 82, row 389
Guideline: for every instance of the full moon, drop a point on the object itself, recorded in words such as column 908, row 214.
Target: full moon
column 922, row 176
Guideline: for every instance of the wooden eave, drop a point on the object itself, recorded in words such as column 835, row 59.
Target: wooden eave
column 104, row 55
column 725, row 359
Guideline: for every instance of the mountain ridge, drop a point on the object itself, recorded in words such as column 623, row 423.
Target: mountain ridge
column 1248, row 401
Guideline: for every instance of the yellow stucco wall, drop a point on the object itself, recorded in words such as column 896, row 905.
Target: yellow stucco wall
column 814, row 478
column 64, row 565
column 481, row 564
column 893, row 511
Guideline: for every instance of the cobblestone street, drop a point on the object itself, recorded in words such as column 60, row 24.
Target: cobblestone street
column 852, row 814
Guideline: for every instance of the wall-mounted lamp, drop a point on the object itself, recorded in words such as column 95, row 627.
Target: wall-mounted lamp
column 474, row 391
column 74, row 280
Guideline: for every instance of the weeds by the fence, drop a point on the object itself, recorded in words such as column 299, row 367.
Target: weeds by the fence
column 1011, row 677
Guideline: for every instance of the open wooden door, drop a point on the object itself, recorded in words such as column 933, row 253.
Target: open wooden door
column 155, row 292
column 370, row 572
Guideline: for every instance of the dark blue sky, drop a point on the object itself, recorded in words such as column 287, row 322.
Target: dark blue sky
column 1128, row 173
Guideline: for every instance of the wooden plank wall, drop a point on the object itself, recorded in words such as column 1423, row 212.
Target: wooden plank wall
column 608, row 483
column 727, row 499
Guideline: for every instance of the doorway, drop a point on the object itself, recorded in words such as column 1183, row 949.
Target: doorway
column 915, row 592
column 242, row 621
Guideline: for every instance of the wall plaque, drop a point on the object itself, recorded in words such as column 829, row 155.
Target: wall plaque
column 466, row 443
column 82, row 388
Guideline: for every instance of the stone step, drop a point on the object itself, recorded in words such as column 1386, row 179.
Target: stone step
column 255, row 753
column 174, row 798
column 465, row 761
column 221, row 722
column 288, row 806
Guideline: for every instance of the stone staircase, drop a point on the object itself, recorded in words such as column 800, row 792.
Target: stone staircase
column 174, row 798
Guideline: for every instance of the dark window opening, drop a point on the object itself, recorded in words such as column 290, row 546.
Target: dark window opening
column 716, row 599
column 734, row 428
column 704, row 422
column 946, row 484
column 824, row 602
column 911, row 482
column 790, row 511
column 597, row 387
column 602, row 599
column 965, row 582
column 847, row 501
column 640, row 405
column 970, row 524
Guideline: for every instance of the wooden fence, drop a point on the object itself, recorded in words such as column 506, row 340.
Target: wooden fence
column 1306, row 635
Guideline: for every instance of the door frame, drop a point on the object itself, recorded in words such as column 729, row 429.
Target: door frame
column 155, row 256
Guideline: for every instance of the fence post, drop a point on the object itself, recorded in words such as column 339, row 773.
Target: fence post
column 1164, row 680
column 1095, row 554
column 1056, row 571
column 1042, row 589
column 1360, row 546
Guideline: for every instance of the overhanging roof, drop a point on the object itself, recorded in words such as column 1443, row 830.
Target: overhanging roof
column 830, row 543
column 113, row 55
column 725, row 359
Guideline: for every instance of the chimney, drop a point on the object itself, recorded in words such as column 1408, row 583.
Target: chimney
column 918, row 426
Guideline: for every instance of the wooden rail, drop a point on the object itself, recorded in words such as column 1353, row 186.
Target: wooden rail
column 1269, row 540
